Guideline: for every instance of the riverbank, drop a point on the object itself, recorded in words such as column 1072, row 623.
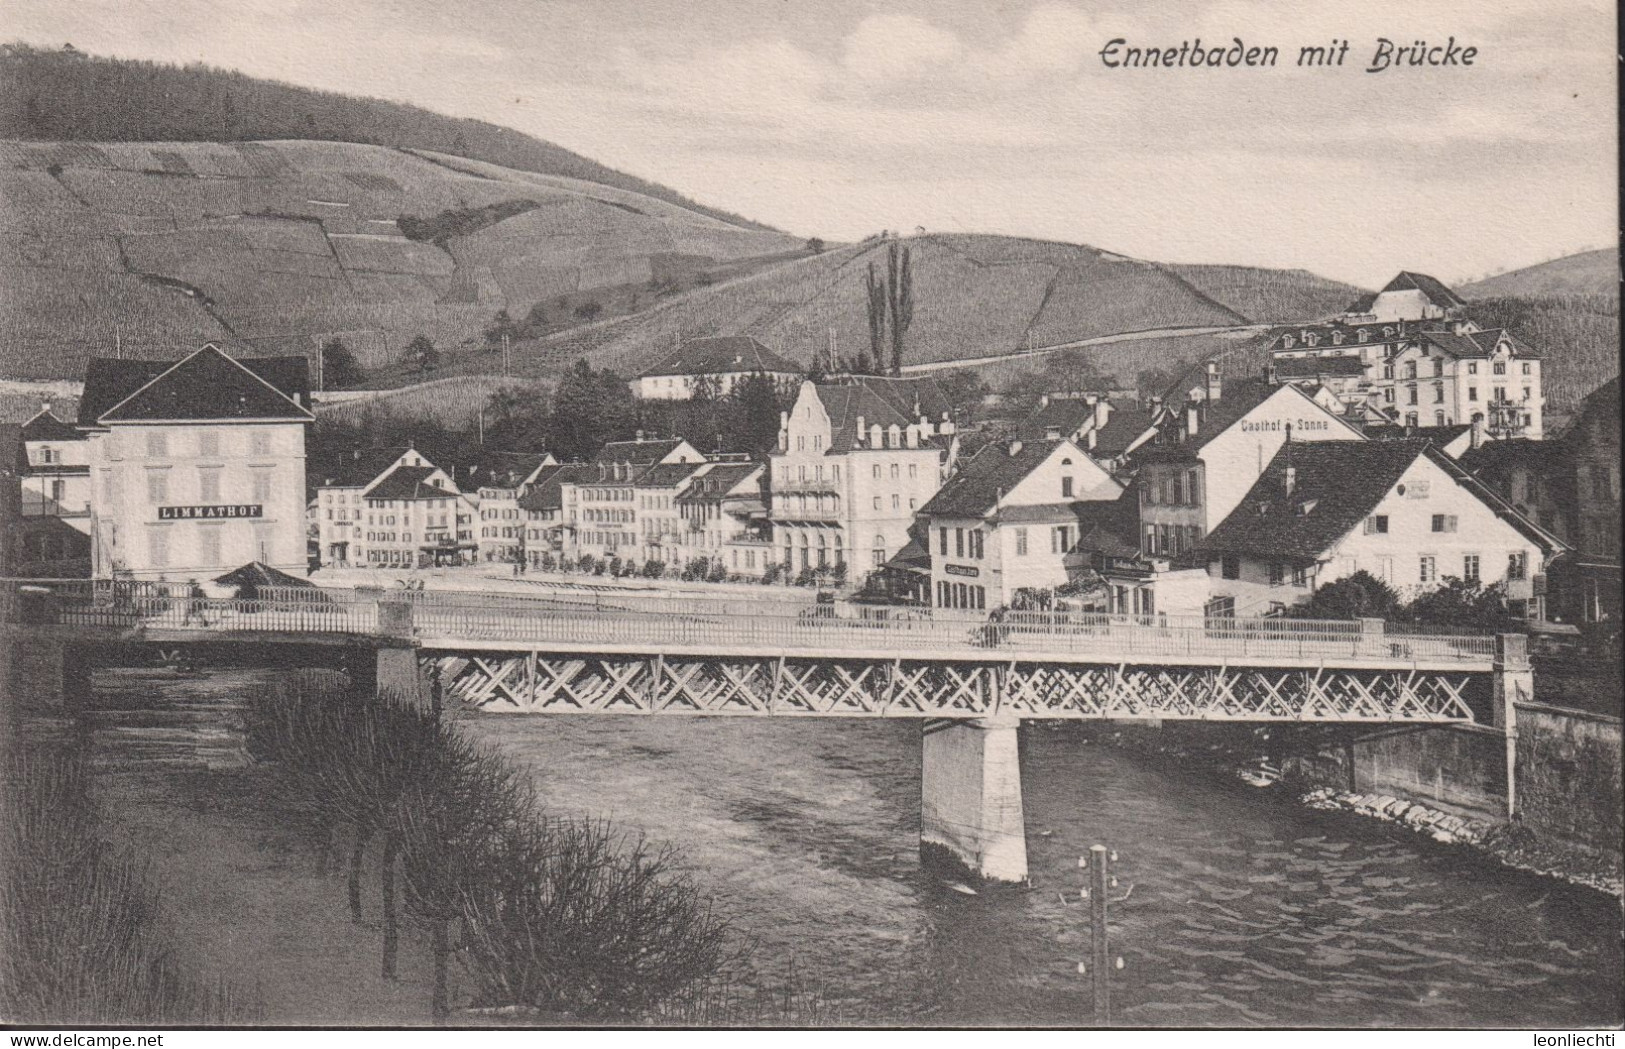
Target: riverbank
column 1246, row 754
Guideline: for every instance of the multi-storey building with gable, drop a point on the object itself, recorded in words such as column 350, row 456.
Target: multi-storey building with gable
column 1410, row 354
column 197, row 465
column 856, row 461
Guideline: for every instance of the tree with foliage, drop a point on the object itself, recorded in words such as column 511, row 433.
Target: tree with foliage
column 535, row 323
column 590, row 407
column 875, row 292
column 755, row 404
column 1359, row 595
column 501, row 328
column 1463, row 605
column 589, row 310
column 900, row 298
column 421, row 355
column 815, row 245
column 339, row 366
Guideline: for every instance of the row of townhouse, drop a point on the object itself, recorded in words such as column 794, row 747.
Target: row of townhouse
column 1237, row 498
column 639, row 501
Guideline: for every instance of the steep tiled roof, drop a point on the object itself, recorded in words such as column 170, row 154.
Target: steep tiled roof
column 547, row 491
column 1123, row 427
column 1439, row 436
column 1237, row 398
column 668, row 475
column 648, row 451
column 45, row 426
column 1479, row 343
column 1111, row 528
column 361, row 467
column 1314, row 367
column 1065, row 415
column 1432, row 287
column 207, row 385
column 108, row 380
column 980, row 480
column 728, row 353
column 717, row 482
column 496, row 469
column 1339, row 482
column 880, row 400
column 408, row 482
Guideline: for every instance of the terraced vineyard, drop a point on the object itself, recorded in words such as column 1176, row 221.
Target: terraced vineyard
column 150, row 249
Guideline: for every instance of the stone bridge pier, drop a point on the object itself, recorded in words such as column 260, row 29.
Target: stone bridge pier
column 970, row 797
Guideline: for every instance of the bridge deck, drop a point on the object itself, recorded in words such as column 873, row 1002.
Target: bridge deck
column 447, row 621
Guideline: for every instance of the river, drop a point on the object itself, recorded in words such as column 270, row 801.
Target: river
column 1242, row 908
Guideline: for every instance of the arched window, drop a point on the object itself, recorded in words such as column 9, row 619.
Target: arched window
column 879, row 549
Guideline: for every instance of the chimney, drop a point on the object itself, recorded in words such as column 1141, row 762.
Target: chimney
column 1015, row 449
column 1103, row 411
column 1156, row 406
column 861, row 431
column 1193, row 412
column 1214, row 388
column 1092, row 439
column 1291, row 479
column 45, row 406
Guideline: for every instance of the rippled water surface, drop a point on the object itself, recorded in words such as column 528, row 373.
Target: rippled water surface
column 1242, row 909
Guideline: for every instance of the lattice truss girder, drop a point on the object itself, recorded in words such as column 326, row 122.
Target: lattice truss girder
column 555, row 683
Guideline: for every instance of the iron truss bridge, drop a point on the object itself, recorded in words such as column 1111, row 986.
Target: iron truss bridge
column 566, row 652
column 797, row 686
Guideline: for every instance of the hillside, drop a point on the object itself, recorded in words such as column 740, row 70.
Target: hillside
column 1588, row 273
column 975, row 296
column 1270, row 296
column 150, row 249
column 68, row 96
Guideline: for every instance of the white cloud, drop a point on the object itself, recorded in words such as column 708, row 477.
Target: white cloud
column 899, row 47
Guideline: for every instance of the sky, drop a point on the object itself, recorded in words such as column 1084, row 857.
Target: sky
column 839, row 118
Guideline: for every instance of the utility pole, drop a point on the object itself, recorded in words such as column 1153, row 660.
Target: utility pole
column 1100, row 880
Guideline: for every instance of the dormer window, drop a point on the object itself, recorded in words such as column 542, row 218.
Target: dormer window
column 1365, row 336
column 1387, row 331
column 1286, row 342
column 1337, row 338
column 1312, row 339
column 1305, row 508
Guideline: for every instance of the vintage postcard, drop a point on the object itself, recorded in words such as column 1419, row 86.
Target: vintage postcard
column 1040, row 514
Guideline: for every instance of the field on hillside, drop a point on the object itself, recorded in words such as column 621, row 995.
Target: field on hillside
column 153, row 249
column 1587, row 273
column 1119, row 365
column 454, row 402
column 974, row 296
column 1270, row 296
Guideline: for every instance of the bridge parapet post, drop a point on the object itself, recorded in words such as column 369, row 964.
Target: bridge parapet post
column 1514, row 682
column 1371, row 636
column 395, row 618
column 970, row 796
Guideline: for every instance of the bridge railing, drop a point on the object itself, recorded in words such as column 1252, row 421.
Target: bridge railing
column 642, row 620
column 127, row 604
column 832, row 629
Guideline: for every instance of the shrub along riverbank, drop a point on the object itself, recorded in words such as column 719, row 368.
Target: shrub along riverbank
column 80, row 939
column 551, row 919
